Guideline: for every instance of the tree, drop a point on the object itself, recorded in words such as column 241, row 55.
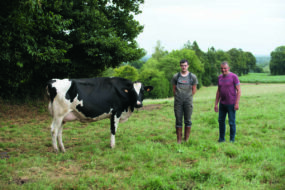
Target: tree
column 43, row 39
column 159, row 51
column 32, row 43
column 137, row 64
column 127, row 72
column 212, row 68
column 277, row 63
column 155, row 78
column 222, row 56
column 238, row 61
column 250, row 62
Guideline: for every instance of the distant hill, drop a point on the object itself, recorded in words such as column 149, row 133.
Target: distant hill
column 262, row 60
column 145, row 58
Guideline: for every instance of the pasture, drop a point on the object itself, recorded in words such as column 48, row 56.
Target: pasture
column 262, row 78
column 146, row 155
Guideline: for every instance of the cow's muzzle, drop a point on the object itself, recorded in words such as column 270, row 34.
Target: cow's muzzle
column 138, row 104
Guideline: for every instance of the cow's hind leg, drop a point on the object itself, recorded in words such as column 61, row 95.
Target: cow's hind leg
column 114, row 126
column 59, row 137
column 55, row 126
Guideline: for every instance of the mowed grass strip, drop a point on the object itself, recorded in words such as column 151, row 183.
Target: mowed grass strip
column 262, row 78
column 146, row 155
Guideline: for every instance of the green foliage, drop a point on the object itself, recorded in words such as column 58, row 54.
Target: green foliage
column 241, row 62
column 137, row 64
column 159, row 51
column 40, row 40
column 171, row 64
column 277, row 63
column 127, row 72
column 157, row 79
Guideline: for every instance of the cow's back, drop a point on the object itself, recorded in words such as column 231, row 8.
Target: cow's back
column 95, row 96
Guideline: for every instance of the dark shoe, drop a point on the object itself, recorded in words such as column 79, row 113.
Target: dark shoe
column 187, row 133
column 220, row 141
column 179, row 134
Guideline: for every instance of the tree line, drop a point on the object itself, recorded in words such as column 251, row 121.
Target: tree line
column 159, row 69
column 45, row 39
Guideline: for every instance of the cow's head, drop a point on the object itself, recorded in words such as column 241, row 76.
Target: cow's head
column 140, row 89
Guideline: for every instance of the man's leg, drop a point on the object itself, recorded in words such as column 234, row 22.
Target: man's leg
column 178, row 110
column 222, row 124
column 188, row 109
column 232, row 122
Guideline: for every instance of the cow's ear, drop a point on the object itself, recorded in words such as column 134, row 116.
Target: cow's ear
column 148, row 88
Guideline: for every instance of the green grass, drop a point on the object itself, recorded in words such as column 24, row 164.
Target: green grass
column 146, row 155
column 262, row 78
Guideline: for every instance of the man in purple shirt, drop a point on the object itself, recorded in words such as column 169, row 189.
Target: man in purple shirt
column 228, row 94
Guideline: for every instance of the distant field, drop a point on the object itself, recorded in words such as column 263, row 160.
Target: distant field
column 262, row 78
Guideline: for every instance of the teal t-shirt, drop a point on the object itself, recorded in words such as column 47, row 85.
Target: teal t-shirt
column 184, row 84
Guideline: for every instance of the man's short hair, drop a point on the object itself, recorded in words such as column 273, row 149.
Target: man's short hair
column 225, row 63
column 184, row 61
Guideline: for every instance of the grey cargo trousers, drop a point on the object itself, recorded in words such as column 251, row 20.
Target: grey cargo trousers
column 183, row 107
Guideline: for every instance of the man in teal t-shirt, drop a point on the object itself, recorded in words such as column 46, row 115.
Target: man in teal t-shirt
column 184, row 87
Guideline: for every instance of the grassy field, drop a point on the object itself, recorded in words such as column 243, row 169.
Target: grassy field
column 146, row 154
column 262, row 78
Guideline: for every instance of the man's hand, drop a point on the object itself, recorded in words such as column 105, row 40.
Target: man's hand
column 236, row 106
column 216, row 108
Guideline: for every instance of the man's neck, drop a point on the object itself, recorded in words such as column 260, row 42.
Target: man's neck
column 184, row 73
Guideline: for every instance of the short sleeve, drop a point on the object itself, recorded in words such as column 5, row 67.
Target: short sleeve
column 195, row 80
column 236, row 80
column 174, row 79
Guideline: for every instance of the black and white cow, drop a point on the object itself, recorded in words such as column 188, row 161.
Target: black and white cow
column 90, row 100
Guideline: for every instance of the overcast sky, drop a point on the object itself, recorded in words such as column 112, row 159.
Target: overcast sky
column 257, row 26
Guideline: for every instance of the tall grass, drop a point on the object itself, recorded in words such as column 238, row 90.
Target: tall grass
column 147, row 155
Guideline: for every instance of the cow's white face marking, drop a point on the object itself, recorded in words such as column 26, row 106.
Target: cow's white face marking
column 137, row 87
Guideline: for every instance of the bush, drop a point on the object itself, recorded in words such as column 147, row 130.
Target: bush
column 156, row 79
column 127, row 72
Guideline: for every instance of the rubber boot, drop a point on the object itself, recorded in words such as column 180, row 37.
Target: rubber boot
column 179, row 134
column 187, row 133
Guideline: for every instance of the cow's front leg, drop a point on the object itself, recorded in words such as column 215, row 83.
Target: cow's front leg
column 114, row 126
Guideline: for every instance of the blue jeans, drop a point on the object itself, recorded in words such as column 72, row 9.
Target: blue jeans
column 223, row 111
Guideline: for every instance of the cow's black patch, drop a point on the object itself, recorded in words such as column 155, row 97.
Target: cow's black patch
column 71, row 93
column 51, row 90
column 101, row 95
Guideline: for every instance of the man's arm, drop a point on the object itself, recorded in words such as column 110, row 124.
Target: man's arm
column 194, row 89
column 217, row 100
column 238, row 90
column 174, row 89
